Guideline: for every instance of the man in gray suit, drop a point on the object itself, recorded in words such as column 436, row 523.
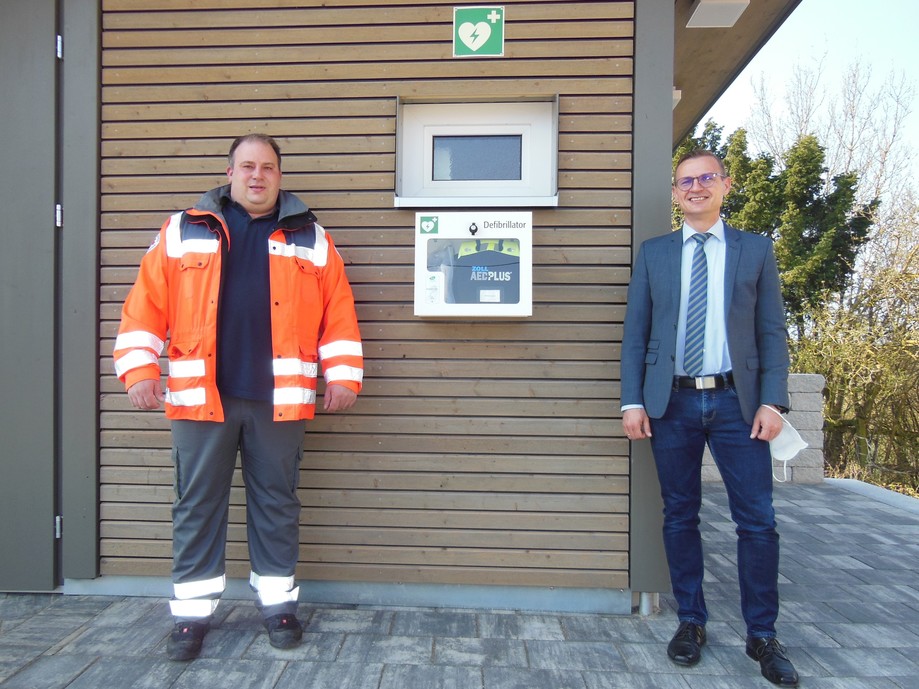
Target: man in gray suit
column 705, row 360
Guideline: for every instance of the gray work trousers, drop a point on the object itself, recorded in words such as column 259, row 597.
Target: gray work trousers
column 204, row 454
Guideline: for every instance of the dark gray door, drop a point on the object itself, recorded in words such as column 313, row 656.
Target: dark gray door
column 28, row 288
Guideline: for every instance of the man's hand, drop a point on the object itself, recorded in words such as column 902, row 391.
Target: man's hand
column 636, row 424
column 146, row 394
column 767, row 423
column 338, row 398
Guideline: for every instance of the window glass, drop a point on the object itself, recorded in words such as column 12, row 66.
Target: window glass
column 491, row 157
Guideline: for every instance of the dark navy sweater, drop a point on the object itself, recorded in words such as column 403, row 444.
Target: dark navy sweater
column 244, row 322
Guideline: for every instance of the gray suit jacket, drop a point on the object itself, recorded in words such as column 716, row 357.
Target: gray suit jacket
column 757, row 339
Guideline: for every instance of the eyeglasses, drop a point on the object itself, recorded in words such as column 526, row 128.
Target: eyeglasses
column 705, row 181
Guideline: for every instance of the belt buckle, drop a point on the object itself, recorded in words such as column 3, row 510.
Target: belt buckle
column 706, row 382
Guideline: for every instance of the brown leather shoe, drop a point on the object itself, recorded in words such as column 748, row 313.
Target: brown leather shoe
column 773, row 661
column 686, row 645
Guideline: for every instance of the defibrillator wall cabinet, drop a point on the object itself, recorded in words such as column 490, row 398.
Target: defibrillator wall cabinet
column 474, row 264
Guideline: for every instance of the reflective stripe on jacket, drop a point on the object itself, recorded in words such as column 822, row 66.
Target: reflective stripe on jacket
column 177, row 293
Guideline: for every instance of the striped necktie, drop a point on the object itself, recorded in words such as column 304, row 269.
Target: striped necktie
column 695, row 312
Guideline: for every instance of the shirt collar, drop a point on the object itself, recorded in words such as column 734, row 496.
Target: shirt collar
column 716, row 230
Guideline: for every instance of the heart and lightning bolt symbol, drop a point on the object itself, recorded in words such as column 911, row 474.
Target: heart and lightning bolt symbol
column 474, row 36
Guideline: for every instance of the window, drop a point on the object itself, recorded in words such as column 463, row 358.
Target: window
column 477, row 154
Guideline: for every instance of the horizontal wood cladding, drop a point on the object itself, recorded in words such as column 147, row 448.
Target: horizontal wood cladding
column 480, row 452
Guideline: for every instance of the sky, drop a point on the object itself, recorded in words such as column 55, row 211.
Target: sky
column 879, row 33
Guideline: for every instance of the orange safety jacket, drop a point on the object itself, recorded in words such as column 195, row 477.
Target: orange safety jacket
column 177, row 295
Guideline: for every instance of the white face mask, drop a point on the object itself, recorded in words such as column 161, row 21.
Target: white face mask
column 788, row 443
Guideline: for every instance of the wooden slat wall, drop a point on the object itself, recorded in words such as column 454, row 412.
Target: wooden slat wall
column 481, row 452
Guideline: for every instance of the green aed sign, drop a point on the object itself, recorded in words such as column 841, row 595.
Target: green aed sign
column 478, row 31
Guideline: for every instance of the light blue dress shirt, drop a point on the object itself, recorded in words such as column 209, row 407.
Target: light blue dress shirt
column 716, row 357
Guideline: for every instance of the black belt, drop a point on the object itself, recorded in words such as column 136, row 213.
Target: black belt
column 715, row 382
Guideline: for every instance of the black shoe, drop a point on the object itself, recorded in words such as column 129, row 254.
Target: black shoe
column 686, row 645
column 186, row 639
column 284, row 631
column 772, row 661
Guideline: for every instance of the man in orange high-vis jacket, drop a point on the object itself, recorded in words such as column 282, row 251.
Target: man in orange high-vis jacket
column 252, row 296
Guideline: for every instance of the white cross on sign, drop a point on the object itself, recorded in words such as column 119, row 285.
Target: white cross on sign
column 494, row 16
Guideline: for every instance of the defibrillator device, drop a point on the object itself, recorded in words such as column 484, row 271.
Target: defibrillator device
column 485, row 271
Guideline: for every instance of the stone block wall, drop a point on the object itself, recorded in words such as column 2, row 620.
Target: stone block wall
column 806, row 415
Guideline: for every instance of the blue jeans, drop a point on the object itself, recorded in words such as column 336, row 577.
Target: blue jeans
column 693, row 418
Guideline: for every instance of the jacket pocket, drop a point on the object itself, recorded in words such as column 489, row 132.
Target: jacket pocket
column 184, row 360
column 192, row 261
column 309, row 303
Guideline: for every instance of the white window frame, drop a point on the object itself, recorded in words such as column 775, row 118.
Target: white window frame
column 536, row 122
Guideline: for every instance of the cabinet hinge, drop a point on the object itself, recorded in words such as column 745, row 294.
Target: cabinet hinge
column 60, row 47
column 58, row 215
column 58, row 526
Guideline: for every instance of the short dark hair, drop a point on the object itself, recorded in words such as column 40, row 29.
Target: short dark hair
column 699, row 153
column 263, row 138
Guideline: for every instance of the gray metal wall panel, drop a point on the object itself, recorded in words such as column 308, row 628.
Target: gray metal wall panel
column 652, row 157
column 27, row 295
column 80, row 280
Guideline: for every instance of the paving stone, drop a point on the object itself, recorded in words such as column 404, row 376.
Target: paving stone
column 607, row 628
column 389, row 650
column 127, row 611
column 805, row 634
column 135, row 673
column 240, row 617
column 521, row 626
column 118, row 640
column 430, row 677
column 330, row 676
column 905, row 682
column 45, row 629
column 813, row 592
column 864, row 662
column 809, row 611
column 520, row 678
column 892, row 577
column 722, row 682
column 865, row 611
column 480, row 652
column 434, row 623
column 18, row 607
column 226, row 643
column 9, row 668
column 89, row 606
column 870, row 635
column 631, row 680
column 19, row 652
column 815, row 575
column 49, row 672
column 724, row 633
column 232, row 674
column 351, row 621
column 575, row 655
column 854, row 683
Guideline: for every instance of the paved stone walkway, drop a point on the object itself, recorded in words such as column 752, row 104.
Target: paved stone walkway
column 850, row 617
